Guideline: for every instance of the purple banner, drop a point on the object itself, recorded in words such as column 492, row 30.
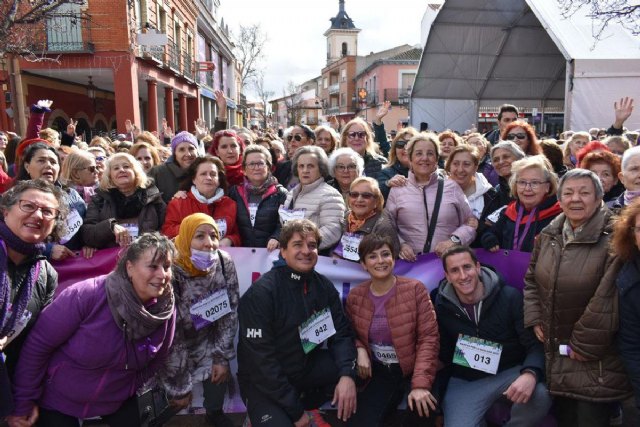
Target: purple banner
column 77, row 269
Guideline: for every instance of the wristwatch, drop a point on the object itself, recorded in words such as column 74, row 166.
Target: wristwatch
column 455, row 239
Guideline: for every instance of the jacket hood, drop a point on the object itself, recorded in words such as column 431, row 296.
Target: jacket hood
column 489, row 279
column 482, row 186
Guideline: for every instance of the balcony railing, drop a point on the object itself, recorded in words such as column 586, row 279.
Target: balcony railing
column 65, row 33
column 372, row 99
column 396, row 95
column 334, row 88
column 187, row 64
column 173, row 55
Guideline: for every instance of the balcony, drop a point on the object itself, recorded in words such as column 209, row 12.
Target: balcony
column 65, row 33
column 397, row 95
column 187, row 67
column 334, row 88
column 372, row 99
column 173, row 56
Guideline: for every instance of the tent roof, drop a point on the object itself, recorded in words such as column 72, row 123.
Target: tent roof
column 509, row 50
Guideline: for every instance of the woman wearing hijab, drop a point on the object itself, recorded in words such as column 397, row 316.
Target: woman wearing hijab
column 206, row 289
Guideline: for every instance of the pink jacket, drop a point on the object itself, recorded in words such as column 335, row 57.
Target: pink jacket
column 406, row 207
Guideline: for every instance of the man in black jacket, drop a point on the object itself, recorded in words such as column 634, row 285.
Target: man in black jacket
column 487, row 353
column 508, row 113
column 295, row 342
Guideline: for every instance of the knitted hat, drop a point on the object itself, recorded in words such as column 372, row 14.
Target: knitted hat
column 183, row 136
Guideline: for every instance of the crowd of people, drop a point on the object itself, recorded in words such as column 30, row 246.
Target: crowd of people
column 166, row 318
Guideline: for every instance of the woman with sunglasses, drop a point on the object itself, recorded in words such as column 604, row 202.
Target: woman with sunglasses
column 40, row 161
column 396, row 173
column 31, row 212
column 365, row 216
column 358, row 136
column 523, row 134
column 534, row 185
column 258, row 200
column 228, row 147
column 297, row 136
column 79, row 170
column 345, row 165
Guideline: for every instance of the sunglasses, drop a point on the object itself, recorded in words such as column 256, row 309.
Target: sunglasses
column 297, row 137
column 354, row 135
column 513, row 136
column 366, row 196
column 401, row 143
column 91, row 169
column 100, row 158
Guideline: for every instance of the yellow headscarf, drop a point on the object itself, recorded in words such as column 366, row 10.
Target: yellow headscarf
column 183, row 241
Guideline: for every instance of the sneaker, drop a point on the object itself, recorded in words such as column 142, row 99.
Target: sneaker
column 316, row 419
column 219, row 419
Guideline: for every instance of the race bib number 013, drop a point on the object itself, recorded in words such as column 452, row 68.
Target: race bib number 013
column 316, row 329
column 209, row 309
column 476, row 353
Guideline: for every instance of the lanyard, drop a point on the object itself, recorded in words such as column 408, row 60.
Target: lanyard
column 517, row 243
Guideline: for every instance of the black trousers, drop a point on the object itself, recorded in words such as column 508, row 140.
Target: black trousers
column 580, row 413
column 125, row 416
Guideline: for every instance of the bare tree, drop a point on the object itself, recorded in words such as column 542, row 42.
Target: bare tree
column 605, row 12
column 294, row 103
column 250, row 44
column 22, row 25
column 263, row 95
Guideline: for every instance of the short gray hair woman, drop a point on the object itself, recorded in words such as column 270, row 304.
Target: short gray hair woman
column 318, row 153
column 628, row 176
column 346, row 171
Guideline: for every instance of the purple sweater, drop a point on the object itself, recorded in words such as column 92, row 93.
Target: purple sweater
column 74, row 360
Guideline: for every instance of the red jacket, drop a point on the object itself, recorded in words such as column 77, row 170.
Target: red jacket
column 412, row 321
column 223, row 208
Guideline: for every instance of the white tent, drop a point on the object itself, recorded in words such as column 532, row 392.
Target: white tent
column 483, row 53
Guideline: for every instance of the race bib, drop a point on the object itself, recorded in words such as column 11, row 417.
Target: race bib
column 222, row 227
column 210, row 308
column 476, row 353
column 384, row 353
column 253, row 210
column 350, row 244
column 132, row 229
column 316, row 329
column 290, row 214
column 73, row 224
column 18, row 327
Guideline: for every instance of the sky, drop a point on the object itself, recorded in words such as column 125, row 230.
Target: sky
column 296, row 48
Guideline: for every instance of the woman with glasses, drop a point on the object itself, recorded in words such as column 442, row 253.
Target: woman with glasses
column 101, row 159
column 365, row 215
column 295, row 137
column 31, row 212
column 523, row 134
column 40, row 161
column 533, row 184
column 485, row 167
column 126, row 204
column 204, row 189
column 258, row 199
column 313, row 198
column 345, row 165
column 228, row 147
column 358, row 136
column 396, row 173
column 430, row 213
column 146, row 154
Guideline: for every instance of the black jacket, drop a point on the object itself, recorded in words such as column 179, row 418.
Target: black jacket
column 267, row 222
column 270, row 354
column 284, row 173
column 501, row 320
column 628, row 284
column 373, row 164
column 389, row 172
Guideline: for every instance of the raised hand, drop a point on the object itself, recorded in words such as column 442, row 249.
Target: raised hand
column 622, row 110
column 382, row 111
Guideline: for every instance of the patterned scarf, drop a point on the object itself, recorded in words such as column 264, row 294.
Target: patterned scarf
column 260, row 189
column 354, row 224
column 629, row 196
column 8, row 238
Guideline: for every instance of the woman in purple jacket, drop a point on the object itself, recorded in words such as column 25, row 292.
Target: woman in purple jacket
column 98, row 342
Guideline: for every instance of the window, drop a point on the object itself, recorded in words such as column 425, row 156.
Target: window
column 343, row 75
column 162, row 20
column 325, row 83
column 343, row 99
column 344, row 49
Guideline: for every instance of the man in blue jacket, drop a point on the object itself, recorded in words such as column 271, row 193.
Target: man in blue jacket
column 295, row 342
column 487, row 353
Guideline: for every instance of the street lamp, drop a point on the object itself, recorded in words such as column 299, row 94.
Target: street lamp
column 91, row 90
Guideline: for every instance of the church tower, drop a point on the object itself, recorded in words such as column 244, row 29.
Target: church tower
column 342, row 36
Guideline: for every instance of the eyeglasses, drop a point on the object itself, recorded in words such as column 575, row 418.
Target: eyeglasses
column 513, row 136
column 366, row 196
column 534, row 185
column 30, row 207
column 342, row 168
column 354, row 135
column 401, row 143
column 256, row 165
column 297, row 137
column 91, row 168
column 100, row 158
